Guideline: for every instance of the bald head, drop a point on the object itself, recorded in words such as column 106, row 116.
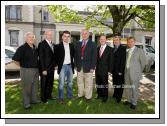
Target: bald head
column 85, row 34
column 49, row 35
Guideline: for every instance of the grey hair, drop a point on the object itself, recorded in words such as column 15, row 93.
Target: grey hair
column 85, row 30
column 28, row 33
column 46, row 31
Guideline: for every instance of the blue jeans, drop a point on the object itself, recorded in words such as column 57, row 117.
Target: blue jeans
column 65, row 73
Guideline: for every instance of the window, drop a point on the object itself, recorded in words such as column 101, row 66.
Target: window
column 13, row 12
column 14, row 37
column 148, row 40
column 45, row 16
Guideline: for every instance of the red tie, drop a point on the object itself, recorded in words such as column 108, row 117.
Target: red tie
column 101, row 51
column 83, row 48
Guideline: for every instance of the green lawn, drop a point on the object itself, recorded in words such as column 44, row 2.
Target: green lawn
column 13, row 104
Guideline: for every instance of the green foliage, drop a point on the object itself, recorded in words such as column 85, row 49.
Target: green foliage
column 116, row 17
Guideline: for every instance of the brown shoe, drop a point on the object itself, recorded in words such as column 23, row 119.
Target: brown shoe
column 87, row 100
column 78, row 97
column 61, row 101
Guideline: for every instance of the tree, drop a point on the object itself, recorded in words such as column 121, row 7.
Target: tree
column 116, row 17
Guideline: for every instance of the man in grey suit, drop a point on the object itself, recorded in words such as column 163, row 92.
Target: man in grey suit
column 135, row 64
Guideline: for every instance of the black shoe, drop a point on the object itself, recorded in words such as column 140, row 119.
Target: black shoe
column 133, row 106
column 27, row 108
column 37, row 102
column 53, row 98
column 126, row 103
column 98, row 97
column 118, row 100
column 45, row 102
column 104, row 100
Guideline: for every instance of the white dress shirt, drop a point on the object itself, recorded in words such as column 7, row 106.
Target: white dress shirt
column 67, row 58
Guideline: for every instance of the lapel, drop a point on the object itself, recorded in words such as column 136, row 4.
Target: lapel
column 98, row 49
column 80, row 45
column 62, row 49
column 133, row 53
column 70, row 45
column 103, row 52
column 47, row 46
column 87, row 45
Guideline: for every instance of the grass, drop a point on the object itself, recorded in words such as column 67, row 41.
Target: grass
column 13, row 104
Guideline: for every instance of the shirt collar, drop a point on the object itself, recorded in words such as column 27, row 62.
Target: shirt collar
column 65, row 43
column 29, row 45
column 49, row 42
column 85, row 40
column 131, row 49
column 103, row 46
column 115, row 46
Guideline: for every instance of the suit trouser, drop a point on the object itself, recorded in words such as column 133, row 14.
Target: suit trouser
column 47, row 86
column 131, row 89
column 102, row 86
column 30, row 82
column 118, row 86
column 85, row 84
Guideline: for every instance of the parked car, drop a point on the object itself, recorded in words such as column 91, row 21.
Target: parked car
column 150, row 55
column 148, row 50
column 9, row 64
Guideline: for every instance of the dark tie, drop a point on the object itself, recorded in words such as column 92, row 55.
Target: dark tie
column 51, row 45
column 115, row 49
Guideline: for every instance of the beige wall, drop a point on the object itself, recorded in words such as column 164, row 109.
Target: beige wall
column 27, row 13
column 37, row 15
column 23, row 28
column 140, row 36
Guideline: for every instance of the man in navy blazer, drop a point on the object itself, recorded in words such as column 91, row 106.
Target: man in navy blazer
column 85, row 60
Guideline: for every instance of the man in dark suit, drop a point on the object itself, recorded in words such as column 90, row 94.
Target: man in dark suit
column 118, row 67
column 65, row 61
column 47, row 65
column 85, row 60
column 103, row 66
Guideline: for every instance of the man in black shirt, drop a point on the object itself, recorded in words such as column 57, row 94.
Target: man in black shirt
column 26, row 57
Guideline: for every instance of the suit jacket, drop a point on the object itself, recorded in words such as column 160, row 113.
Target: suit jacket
column 61, row 55
column 104, row 65
column 137, row 65
column 89, row 60
column 46, row 57
column 119, row 60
